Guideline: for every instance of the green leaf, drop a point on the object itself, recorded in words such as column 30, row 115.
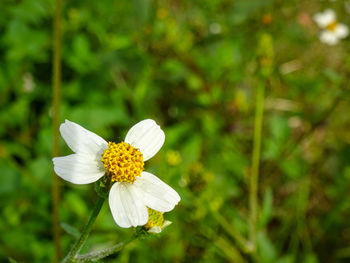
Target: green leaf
column 310, row 258
column 70, row 230
column 267, row 208
column 9, row 179
column 11, row 260
column 266, row 248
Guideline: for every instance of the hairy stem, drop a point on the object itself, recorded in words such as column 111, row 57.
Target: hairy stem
column 85, row 232
column 93, row 256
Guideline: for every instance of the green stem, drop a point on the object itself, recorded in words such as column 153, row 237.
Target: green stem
column 254, row 178
column 56, row 84
column 85, row 232
column 93, row 256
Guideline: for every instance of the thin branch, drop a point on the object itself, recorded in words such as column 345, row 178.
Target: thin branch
column 93, row 256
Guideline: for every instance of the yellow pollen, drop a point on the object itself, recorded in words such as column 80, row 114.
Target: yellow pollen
column 155, row 218
column 122, row 162
column 332, row 26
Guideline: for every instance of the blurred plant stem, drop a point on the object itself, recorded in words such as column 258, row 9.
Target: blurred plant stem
column 254, row 177
column 265, row 55
column 56, row 84
column 241, row 241
column 71, row 256
column 229, row 250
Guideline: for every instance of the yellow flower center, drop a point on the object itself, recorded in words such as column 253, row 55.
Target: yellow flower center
column 155, row 218
column 332, row 26
column 122, row 162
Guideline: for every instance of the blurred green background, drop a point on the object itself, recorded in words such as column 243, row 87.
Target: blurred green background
column 193, row 66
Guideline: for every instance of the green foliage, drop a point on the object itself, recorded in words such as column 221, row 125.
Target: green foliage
column 193, row 66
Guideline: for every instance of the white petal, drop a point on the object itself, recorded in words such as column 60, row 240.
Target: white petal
column 80, row 140
column 126, row 206
column 328, row 38
column 166, row 223
column 155, row 230
column 325, row 18
column 155, row 193
column 341, row 31
column 146, row 136
column 78, row 168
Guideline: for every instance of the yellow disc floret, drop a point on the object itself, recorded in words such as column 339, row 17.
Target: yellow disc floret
column 122, row 162
column 155, row 218
column 332, row 26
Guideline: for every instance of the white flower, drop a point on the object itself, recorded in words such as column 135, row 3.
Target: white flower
column 332, row 31
column 133, row 189
column 215, row 28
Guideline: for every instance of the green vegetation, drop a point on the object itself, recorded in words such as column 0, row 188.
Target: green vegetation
column 197, row 68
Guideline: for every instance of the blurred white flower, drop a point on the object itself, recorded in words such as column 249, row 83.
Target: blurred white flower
column 215, row 28
column 332, row 30
column 133, row 189
column 28, row 82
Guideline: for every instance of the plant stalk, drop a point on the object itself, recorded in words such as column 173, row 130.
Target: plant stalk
column 71, row 256
column 236, row 235
column 254, row 178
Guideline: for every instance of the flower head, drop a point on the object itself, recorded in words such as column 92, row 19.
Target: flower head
column 332, row 30
column 156, row 222
column 133, row 190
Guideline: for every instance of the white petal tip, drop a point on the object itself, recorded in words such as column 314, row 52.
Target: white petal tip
column 147, row 136
column 155, row 193
column 155, row 230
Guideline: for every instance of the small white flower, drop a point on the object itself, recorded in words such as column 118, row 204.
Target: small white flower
column 28, row 82
column 133, row 189
column 215, row 28
column 332, row 31
column 156, row 222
